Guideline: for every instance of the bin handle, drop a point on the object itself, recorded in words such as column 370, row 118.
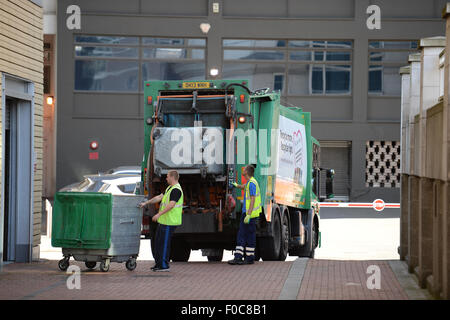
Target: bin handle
column 127, row 221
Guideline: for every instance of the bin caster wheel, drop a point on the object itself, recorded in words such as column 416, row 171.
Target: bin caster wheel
column 91, row 264
column 131, row 264
column 63, row 264
column 104, row 266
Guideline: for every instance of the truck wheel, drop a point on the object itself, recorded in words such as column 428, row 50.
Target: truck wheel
column 216, row 258
column 257, row 251
column 312, row 232
column 179, row 251
column 271, row 246
column 314, row 237
column 152, row 246
column 152, row 235
column 284, row 247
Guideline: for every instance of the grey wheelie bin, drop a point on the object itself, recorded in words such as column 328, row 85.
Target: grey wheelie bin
column 97, row 227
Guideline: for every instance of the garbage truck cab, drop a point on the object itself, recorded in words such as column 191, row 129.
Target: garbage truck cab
column 209, row 131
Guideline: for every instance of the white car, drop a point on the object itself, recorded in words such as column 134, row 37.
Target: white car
column 116, row 184
column 124, row 170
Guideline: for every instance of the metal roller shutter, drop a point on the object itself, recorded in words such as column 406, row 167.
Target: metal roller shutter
column 336, row 155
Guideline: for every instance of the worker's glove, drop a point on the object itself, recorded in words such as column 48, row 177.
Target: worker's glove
column 235, row 184
column 247, row 219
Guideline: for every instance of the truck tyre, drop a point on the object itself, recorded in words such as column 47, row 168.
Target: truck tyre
column 271, row 246
column 312, row 232
column 284, row 247
column 179, row 251
column 314, row 238
column 152, row 236
column 257, row 250
column 152, row 245
column 216, row 258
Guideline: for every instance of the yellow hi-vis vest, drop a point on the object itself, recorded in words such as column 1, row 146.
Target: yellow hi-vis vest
column 172, row 217
column 257, row 204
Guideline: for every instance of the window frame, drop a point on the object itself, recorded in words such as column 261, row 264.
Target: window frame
column 382, row 64
column 288, row 62
column 140, row 60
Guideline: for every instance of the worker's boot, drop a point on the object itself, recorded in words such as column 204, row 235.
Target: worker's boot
column 248, row 261
column 236, row 261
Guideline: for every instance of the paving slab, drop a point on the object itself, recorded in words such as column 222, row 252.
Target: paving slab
column 302, row 279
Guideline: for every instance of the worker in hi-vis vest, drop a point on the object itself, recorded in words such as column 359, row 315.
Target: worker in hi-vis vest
column 251, row 208
column 168, row 218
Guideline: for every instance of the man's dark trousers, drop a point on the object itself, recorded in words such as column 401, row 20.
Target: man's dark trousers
column 246, row 239
column 162, row 245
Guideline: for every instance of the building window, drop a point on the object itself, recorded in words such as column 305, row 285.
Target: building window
column 320, row 67
column 385, row 59
column 122, row 64
column 106, row 75
column 278, row 82
column 173, row 59
column 383, row 164
column 260, row 75
column 293, row 67
column 262, row 62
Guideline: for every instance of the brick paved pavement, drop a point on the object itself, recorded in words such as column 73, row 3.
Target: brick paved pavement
column 192, row 280
column 347, row 280
column 322, row 279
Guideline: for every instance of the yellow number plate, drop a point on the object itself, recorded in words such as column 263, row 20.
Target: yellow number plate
column 196, row 85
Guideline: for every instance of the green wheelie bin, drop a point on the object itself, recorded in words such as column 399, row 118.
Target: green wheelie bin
column 97, row 227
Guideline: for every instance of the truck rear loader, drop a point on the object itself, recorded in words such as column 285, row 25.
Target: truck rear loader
column 209, row 131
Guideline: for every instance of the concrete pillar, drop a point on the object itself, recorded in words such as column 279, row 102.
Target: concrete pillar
column 414, row 106
column 446, row 163
column 406, row 82
column 425, row 229
column 404, row 200
column 434, row 282
column 413, row 223
column 429, row 97
column 446, row 243
column 429, row 89
column 413, row 180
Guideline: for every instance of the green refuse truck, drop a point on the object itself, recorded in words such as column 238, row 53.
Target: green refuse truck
column 209, row 131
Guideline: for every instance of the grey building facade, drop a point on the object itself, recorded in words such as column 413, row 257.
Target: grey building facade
column 320, row 54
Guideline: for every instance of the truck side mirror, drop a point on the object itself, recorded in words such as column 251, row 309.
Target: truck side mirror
column 329, row 183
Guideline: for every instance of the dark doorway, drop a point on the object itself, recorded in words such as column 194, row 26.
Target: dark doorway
column 8, row 251
column 17, row 180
